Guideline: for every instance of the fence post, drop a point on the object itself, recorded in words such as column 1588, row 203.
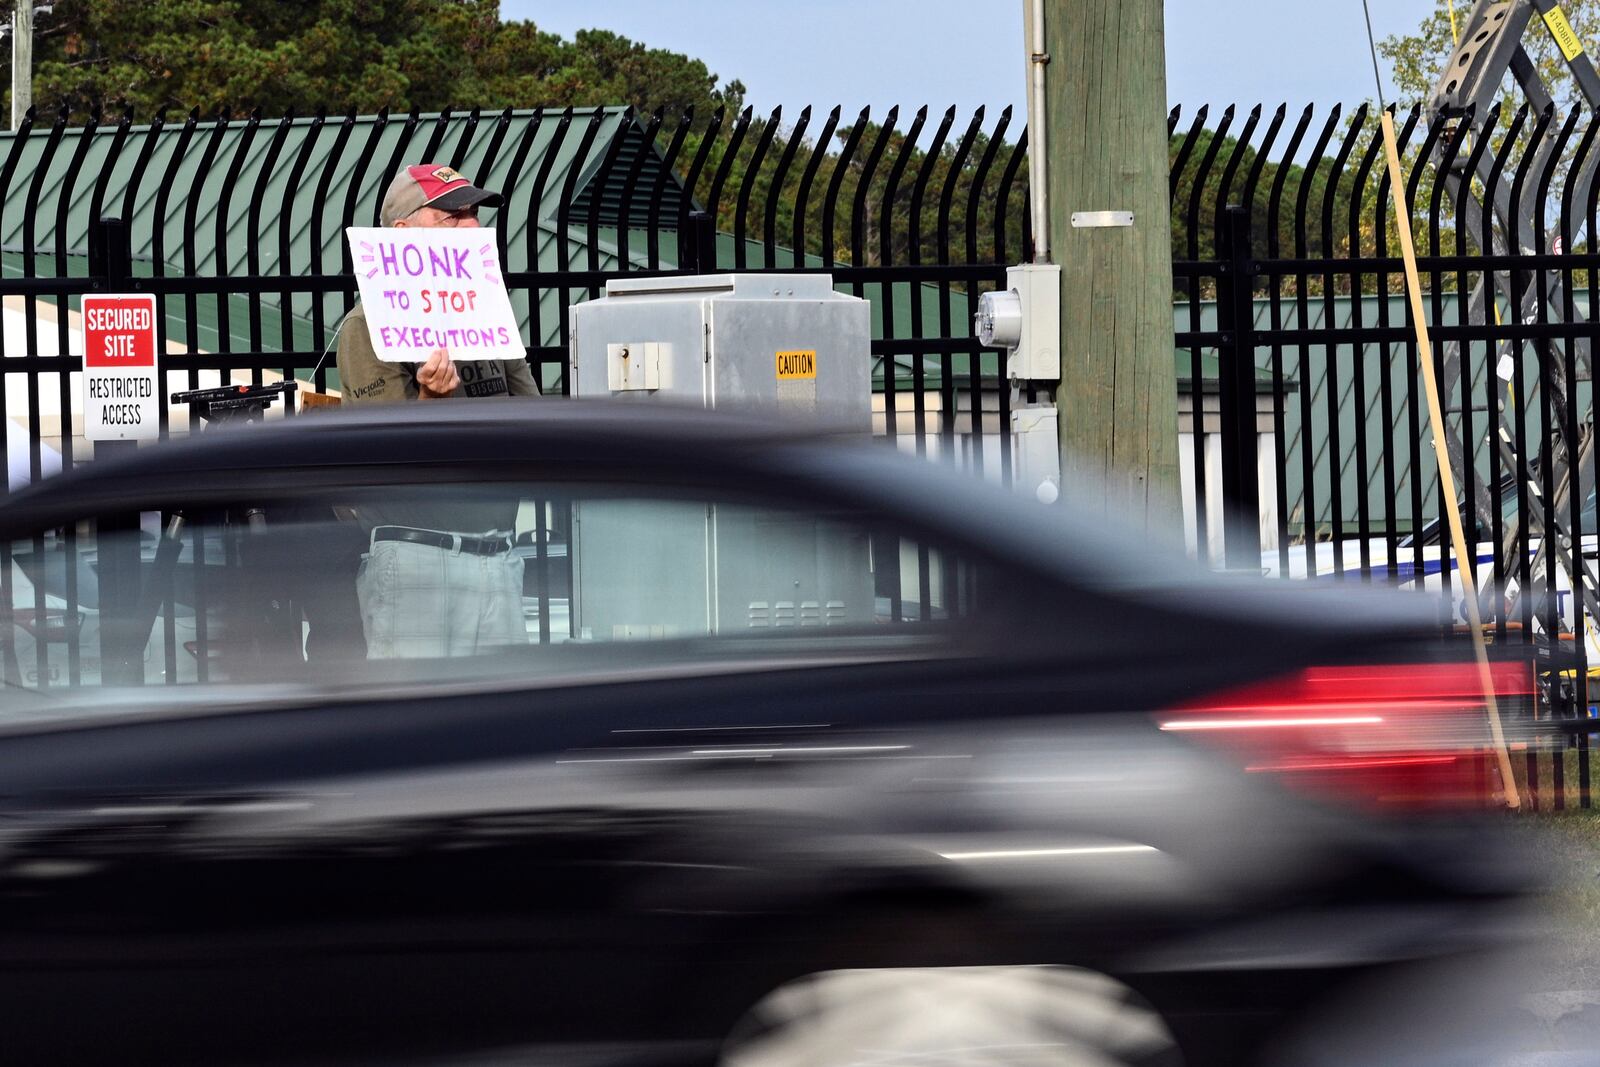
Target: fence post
column 121, row 649
column 700, row 244
column 111, row 255
column 1236, row 393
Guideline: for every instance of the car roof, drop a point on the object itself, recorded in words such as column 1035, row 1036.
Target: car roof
column 389, row 444
column 388, row 432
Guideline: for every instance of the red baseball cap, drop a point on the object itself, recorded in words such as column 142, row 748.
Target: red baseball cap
column 432, row 185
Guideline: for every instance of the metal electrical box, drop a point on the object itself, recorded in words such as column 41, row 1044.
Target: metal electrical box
column 1024, row 318
column 677, row 568
column 673, row 568
column 1035, row 451
column 1037, row 356
column 784, row 341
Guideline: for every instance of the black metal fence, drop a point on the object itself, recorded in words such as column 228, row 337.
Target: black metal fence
column 236, row 226
column 1289, row 288
column 1305, row 417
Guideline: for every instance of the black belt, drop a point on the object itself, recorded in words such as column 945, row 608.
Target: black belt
column 476, row 546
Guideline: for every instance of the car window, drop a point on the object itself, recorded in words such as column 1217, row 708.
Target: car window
column 434, row 582
column 1509, row 512
column 1436, row 531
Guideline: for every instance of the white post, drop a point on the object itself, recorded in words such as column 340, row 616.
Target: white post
column 21, row 60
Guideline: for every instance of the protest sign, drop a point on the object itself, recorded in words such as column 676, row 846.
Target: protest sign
column 434, row 287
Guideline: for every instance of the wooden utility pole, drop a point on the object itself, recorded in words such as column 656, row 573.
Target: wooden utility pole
column 21, row 60
column 1105, row 155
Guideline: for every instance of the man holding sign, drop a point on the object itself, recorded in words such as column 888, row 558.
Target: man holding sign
column 430, row 290
column 439, row 577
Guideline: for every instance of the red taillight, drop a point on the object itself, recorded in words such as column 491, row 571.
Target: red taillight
column 1391, row 736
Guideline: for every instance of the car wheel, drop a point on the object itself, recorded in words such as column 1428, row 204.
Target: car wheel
column 972, row 1016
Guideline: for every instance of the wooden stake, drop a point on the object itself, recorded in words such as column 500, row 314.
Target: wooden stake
column 1469, row 562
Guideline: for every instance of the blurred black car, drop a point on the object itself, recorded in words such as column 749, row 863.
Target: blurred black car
column 815, row 755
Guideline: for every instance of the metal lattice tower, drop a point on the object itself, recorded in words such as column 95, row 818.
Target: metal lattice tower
column 1463, row 97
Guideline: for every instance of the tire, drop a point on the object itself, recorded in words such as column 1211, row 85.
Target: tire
column 948, row 1016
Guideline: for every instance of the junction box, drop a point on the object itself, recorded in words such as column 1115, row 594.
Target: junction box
column 784, row 342
column 1024, row 318
column 775, row 343
column 1036, row 452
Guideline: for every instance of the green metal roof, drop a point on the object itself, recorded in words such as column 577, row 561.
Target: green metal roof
column 319, row 170
column 1322, row 401
column 270, row 197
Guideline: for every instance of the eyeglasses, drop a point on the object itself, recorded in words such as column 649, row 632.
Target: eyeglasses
column 450, row 218
column 456, row 218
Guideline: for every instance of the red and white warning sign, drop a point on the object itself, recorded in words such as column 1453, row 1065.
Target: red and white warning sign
column 120, row 401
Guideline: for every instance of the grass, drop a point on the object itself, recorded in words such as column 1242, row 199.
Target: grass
column 1572, row 843
column 1544, row 776
column 1568, row 838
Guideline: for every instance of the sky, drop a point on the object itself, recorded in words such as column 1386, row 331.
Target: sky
column 970, row 52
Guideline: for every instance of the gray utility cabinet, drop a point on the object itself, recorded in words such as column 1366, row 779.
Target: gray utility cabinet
column 784, row 341
column 784, row 344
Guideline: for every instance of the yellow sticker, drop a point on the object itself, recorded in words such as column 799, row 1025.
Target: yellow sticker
column 801, row 363
column 1556, row 20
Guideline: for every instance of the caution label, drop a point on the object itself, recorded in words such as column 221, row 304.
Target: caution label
column 801, row 363
column 1555, row 21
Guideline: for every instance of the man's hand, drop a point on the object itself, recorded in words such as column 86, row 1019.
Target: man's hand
column 437, row 377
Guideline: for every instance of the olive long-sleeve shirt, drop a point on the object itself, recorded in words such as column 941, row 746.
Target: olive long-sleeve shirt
column 364, row 378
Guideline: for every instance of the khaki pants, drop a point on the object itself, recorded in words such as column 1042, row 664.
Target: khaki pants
column 418, row 601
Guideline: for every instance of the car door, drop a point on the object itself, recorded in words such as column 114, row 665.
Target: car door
column 278, row 842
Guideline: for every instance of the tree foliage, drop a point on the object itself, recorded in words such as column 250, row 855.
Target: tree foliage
column 101, row 56
column 881, row 232
column 1418, row 60
column 1362, row 224
column 364, row 55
